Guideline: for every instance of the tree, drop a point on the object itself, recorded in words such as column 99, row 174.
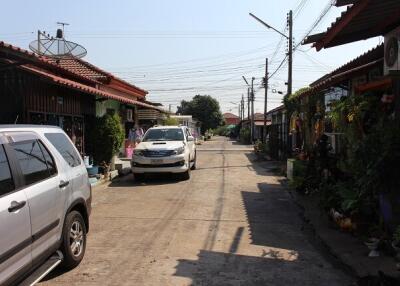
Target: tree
column 204, row 108
column 171, row 121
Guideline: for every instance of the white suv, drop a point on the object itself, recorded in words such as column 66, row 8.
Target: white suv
column 45, row 203
column 165, row 149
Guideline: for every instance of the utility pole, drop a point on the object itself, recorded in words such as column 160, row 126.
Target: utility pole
column 242, row 103
column 290, row 44
column 264, row 138
column 290, row 53
column 248, row 103
column 252, row 109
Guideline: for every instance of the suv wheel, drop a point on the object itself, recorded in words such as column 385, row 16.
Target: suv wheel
column 74, row 240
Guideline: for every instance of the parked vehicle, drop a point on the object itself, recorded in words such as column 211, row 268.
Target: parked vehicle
column 165, row 149
column 45, row 202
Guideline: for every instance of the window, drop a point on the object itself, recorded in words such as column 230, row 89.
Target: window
column 6, row 180
column 65, row 148
column 31, row 161
column 168, row 134
column 51, row 166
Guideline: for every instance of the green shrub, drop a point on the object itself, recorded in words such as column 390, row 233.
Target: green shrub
column 222, row 131
column 107, row 137
column 245, row 136
column 171, row 122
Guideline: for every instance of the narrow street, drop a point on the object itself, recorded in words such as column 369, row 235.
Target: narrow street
column 232, row 223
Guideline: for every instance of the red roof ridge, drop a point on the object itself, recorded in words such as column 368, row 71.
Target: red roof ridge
column 52, row 62
column 44, row 60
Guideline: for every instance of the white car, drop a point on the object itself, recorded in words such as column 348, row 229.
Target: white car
column 165, row 149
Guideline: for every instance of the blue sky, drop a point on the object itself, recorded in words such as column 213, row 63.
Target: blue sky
column 179, row 48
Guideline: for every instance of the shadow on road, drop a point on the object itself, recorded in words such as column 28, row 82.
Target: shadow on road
column 149, row 180
column 272, row 217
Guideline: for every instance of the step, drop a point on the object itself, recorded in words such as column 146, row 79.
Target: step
column 43, row 270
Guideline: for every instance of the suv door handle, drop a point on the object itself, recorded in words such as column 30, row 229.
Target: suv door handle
column 16, row 206
column 63, row 184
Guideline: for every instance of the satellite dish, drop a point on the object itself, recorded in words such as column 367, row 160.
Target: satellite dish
column 57, row 47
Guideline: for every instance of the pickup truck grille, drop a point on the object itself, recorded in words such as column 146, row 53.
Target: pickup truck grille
column 158, row 153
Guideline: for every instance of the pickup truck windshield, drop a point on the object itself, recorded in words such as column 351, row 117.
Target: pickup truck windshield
column 168, row 134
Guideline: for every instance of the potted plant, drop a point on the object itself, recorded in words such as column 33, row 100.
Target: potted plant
column 105, row 169
column 257, row 146
column 396, row 242
column 373, row 240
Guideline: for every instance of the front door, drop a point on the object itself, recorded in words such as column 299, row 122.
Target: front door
column 15, row 227
column 41, row 184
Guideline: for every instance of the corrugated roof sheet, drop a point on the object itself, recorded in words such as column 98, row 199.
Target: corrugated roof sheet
column 373, row 57
column 365, row 19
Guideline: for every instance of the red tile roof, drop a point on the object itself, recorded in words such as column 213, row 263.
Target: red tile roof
column 85, row 88
column 42, row 60
column 230, row 115
column 78, row 69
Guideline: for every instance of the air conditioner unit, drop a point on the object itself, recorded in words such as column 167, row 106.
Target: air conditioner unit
column 392, row 51
column 129, row 115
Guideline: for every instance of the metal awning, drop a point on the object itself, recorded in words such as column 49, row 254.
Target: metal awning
column 363, row 20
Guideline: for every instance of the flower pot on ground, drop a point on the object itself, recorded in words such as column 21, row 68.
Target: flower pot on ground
column 372, row 244
column 396, row 242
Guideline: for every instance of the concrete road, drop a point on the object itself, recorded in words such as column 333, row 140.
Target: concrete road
column 231, row 224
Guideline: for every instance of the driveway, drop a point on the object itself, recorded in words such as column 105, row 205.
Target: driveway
column 232, row 223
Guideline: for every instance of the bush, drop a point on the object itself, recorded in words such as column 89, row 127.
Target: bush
column 108, row 137
column 261, row 147
column 171, row 122
column 245, row 136
column 222, row 131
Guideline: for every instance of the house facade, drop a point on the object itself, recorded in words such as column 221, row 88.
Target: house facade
column 67, row 93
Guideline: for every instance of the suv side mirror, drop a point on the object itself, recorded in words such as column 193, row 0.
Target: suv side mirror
column 190, row 138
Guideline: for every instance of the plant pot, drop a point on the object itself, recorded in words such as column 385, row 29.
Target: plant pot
column 396, row 248
column 372, row 244
column 93, row 171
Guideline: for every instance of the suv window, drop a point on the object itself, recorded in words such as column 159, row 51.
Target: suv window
column 51, row 166
column 31, row 161
column 6, row 180
column 65, row 148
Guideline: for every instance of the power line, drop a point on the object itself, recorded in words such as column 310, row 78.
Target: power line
column 317, row 21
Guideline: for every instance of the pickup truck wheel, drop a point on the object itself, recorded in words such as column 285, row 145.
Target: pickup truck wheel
column 74, row 240
column 186, row 175
column 194, row 162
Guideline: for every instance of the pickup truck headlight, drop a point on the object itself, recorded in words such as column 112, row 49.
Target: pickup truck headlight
column 139, row 152
column 179, row 151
